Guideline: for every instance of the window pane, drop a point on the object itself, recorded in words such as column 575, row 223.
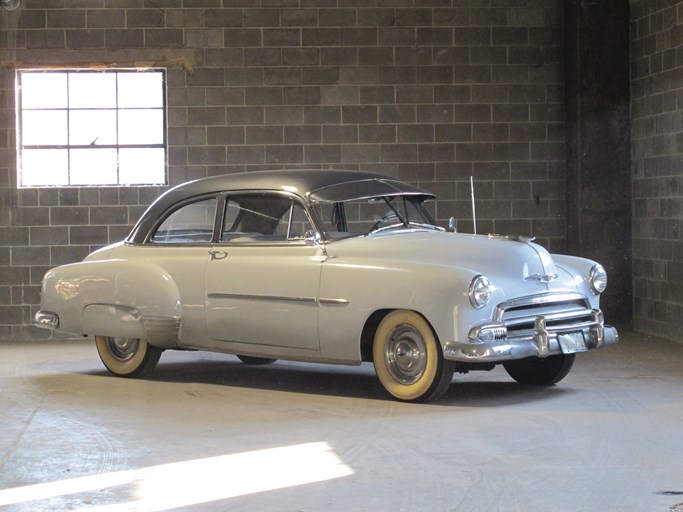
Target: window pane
column 41, row 167
column 141, row 90
column 43, row 90
column 96, row 127
column 46, row 127
column 93, row 167
column 91, row 127
column 300, row 223
column 190, row 224
column 92, row 90
column 255, row 218
column 142, row 166
column 298, row 226
column 141, row 127
column 232, row 212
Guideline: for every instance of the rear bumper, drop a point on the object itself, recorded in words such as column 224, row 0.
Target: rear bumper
column 46, row 320
column 542, row 343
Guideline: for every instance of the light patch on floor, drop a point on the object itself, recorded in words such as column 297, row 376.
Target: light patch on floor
column 192, row 482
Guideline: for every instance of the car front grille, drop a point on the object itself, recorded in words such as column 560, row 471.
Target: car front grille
column 562, row 312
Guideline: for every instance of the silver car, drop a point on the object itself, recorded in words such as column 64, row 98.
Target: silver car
column 334, row 267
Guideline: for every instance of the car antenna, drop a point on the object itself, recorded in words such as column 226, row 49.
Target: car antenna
column 474, row 211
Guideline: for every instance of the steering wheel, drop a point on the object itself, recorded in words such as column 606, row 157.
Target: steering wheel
column 384, row 218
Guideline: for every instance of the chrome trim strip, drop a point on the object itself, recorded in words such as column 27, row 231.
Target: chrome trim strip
column 334, row 301
column 312, row 300
column 240, row 296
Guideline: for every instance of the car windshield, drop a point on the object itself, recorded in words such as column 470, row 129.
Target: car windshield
column 367, row 216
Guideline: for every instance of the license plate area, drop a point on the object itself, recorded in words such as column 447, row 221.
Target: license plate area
column 572, row 342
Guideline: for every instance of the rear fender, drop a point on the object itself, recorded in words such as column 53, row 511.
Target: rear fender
column 115, row 298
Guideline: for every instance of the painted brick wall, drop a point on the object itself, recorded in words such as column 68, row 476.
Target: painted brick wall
column 430, row 91
column 657, row 146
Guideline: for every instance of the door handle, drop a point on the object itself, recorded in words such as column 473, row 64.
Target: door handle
column 218, row 255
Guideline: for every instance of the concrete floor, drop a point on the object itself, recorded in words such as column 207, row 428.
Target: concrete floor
column 209, row 433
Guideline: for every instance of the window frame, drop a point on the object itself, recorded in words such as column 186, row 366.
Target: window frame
column 69, row 147
column 293, row 199
column 217, row 207
column 222, row 200
column 348, row 214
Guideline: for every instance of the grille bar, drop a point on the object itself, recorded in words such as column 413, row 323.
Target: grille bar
column 552, row 301
column 552, row 318
column 561, row 312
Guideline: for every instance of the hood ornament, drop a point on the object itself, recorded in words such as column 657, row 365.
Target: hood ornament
column 543, row 278
column 515, row 238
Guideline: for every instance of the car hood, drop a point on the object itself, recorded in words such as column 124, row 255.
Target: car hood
column 514, row 265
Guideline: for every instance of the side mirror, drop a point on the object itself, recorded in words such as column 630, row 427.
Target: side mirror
column 452, row 225
column 315, row 239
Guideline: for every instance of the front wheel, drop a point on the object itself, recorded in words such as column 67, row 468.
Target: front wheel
column 540, row 372
column 127, row 357
column 408, row 359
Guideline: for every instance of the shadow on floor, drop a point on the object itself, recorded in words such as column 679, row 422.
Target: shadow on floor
column 343, row 381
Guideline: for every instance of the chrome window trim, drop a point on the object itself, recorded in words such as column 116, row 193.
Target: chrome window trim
column 170, row 211
column 293, row 197
column 221, row 204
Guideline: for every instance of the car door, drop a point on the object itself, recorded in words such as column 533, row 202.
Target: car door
column 180, row 245
column 262, row 281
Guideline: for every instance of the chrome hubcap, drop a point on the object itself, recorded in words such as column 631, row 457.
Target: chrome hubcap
column 122, row 349
column 405, row 354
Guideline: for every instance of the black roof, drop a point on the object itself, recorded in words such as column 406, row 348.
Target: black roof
column 312, row 186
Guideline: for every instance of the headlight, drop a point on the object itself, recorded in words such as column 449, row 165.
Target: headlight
column 597, row 278
column 479, row 292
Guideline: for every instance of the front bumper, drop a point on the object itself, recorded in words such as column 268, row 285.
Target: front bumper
column 543, row 342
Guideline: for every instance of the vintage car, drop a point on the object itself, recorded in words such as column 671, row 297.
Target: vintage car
column 328, row 266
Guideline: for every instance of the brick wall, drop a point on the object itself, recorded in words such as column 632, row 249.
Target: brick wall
column 657, row 145
column 430, row 91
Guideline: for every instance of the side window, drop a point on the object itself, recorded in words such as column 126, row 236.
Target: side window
column 294, row 223
column 189, row 224
column 263, row 218
column 334, row 218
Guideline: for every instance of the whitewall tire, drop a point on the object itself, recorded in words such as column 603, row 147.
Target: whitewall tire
column 127, row 357
column 408, row 358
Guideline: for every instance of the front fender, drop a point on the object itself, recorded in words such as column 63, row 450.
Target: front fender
column 115, row 297
column 577, row 270
column 351, row 293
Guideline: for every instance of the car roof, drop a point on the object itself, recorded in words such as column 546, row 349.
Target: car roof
column 304, row 183
column 311, row 185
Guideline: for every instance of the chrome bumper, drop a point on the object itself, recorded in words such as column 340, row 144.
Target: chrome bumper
column 46, row 320
column 542, row 343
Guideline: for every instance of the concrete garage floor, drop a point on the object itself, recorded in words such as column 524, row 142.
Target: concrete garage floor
column 209, row 433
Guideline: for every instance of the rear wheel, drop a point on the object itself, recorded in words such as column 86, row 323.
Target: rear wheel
column 255, row 360
column 127, row 357
column 408, row 358
column 540, row 372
